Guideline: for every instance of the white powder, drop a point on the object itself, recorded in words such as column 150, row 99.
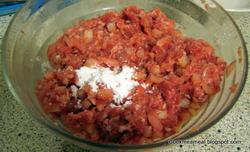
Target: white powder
column 121, row 82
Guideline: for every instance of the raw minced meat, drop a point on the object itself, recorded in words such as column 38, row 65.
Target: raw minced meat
column 180, row 73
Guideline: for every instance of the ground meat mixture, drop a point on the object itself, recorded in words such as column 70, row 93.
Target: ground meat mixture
column 175, row 76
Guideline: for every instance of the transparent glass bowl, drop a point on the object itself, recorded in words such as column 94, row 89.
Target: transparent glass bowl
column 40, row 22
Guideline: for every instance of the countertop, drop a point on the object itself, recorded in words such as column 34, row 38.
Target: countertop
column 20, row 133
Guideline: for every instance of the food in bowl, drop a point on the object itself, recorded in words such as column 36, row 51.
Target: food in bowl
column 128, row 77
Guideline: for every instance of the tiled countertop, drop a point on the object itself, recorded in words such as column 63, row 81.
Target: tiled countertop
column 20, row 133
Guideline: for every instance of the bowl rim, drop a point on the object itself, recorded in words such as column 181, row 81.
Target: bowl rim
column 110, row 146
column 238, row 10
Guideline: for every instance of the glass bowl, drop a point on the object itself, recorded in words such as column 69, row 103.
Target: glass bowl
column 235, row 6
column 40, row 22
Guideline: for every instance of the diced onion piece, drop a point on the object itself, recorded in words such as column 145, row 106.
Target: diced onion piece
column 155, row 69
column 140, row 53
column 167, row 129
column 184, row 103
column 111, row 27
column 185, row 117
column 57, row 59
column 162, row 114
column 156, row 79
column 100, row 107
column 183, row 61
column 230, row 68
column 165, row 41
column 147, row 131
column 141, row 75
column 196, row 78
column 144, row 140
column 86, row 104
column 192, row 111
column 123, row 128
column 155, row 122
column 88, row 35
column 208, row 88
column 91, row 62
column 157, row 33
column 74, row 90
column 81, row 94
column 87, row 117
column 105, row 94
column 195, row 105
column 157, row 135
column 49, row 75
column 109, row 62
